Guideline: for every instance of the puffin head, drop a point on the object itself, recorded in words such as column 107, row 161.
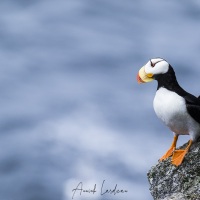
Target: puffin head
column 154, row 68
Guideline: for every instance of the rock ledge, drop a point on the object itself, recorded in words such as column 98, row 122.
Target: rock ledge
column 168, row 182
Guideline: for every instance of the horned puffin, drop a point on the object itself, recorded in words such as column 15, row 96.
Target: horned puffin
column 178, row 109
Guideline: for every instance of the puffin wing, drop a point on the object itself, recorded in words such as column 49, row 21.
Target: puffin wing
column 191, row 99
column 194, row 111
column 193, row 106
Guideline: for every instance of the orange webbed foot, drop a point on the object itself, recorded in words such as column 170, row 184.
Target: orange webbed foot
column 171, row 149
column 178, row 155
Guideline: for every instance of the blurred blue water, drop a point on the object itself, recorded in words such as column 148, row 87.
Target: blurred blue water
column 71, row 109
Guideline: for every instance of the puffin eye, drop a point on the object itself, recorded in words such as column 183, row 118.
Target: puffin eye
column 153, row 65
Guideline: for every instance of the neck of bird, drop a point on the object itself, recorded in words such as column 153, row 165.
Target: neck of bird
column 168, row 80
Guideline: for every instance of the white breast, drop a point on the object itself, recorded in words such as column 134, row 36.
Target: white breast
column 171, row 109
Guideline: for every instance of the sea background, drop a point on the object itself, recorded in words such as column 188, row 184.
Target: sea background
column 71, row 109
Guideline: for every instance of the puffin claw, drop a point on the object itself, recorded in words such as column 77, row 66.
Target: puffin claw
column 167, row 154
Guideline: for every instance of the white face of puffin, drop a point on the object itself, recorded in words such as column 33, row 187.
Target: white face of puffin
column 153, row 67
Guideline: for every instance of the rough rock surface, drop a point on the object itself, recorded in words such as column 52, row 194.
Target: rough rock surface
column 168, row 182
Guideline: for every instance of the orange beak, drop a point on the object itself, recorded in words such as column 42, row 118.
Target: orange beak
column 143, row 77
column 139, row 80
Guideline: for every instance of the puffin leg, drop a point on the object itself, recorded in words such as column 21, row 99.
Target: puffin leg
column 179, row 155
column 171, row 149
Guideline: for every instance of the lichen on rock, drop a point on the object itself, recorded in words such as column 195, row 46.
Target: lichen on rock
column 168, row 182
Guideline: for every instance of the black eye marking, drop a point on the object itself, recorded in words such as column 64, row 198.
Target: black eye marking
column 153, row 64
